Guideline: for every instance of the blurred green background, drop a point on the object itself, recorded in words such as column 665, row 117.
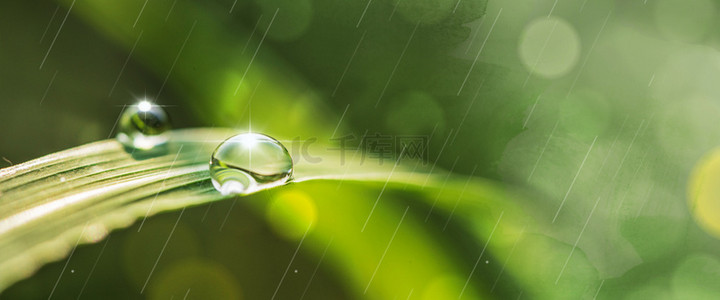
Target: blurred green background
column 588, row 129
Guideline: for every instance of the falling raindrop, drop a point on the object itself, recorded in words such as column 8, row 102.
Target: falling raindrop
column 144, row 126
column 248, row 162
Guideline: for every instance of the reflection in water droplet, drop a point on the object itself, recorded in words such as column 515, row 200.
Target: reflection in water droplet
column 144, row 126
column 248, row 162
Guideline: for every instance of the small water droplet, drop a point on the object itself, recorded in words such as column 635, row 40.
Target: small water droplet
column 487, row 262
column 72, row 271
column 143, row 126
column 296, row 271
column 248, row 162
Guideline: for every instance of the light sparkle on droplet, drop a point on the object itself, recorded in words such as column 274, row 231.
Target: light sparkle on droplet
column 144, row 106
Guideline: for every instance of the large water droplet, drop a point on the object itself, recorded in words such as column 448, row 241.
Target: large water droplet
column 248, row 162
column 144, row 126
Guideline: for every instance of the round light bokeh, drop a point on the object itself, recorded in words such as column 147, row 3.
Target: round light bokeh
column 549, row 47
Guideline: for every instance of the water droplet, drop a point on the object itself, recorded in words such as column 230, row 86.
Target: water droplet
column 144, row 126
column 248, row 162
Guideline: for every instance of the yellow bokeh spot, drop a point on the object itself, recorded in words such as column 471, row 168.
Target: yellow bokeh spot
column 195, row 279
column 704, row 193
column 291, row 213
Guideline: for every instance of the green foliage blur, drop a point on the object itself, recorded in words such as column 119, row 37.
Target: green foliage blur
column 576, row 136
